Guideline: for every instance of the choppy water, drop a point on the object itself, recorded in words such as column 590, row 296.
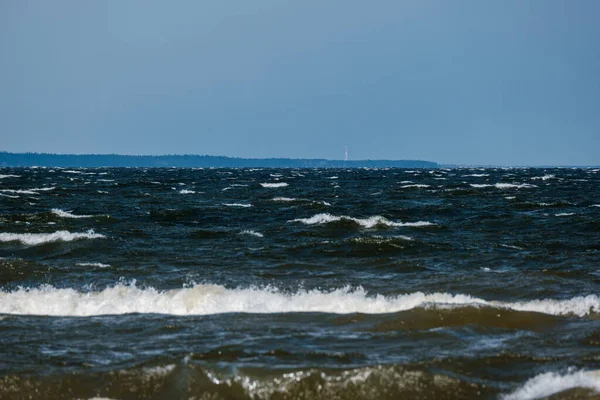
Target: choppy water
column 287, row 284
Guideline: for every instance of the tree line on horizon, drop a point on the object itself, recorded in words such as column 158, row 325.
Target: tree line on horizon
column 192, row 161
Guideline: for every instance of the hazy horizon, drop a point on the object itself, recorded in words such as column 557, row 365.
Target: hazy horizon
column 466, row 83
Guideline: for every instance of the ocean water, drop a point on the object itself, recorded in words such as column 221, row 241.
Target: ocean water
column 299, row 283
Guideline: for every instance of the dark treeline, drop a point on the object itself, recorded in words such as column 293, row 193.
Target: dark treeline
column 115, row 160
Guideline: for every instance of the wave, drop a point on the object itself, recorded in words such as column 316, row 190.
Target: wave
column 186, row 191
column 27, row 191
column 66, row 214
column 205, row 299
column 284, row 199
column 9, row 176
column 293, row 199
column 544, row 178
column 504, row 185
column 477, row 175
column 35, row 239
column 369, row 222
column 550, row 383
column 237, row 205
column 564, row 214
column 274, row 185
column 416, row 185
column 97, row 265
column 181, row 379
column 252, row 233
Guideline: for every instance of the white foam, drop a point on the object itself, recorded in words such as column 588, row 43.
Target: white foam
column 9, row 196
column 595, row 205
column 283, row 199
column 97, row 265
column 27, row 191
column 237, row 205
column 34, row 239
column 204, row 299
column 369, row 222
column 417, row 185
column 504, row 185
column 274, row 185
column 477, row 175
column 564, row 214
column 544, row 178
column 9, row 176
column 252, row 233
column 549, row 383
column 186, row 191
column 66, row 214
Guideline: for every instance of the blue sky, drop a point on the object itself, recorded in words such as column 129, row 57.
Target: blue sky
column 470, row 82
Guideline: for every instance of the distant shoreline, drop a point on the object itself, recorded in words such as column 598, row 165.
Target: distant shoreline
column 193, row 161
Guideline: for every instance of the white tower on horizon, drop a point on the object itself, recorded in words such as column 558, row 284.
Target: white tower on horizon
column 346, row 154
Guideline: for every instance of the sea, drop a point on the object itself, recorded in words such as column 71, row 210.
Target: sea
column 172, row 283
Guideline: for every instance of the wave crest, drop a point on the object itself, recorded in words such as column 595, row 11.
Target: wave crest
column 368, row 223
column 205, row 299
column 35, row 239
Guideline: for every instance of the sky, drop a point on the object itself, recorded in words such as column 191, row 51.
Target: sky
column 469, row 82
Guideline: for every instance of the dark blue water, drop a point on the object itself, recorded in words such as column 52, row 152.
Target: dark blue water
column 299, row 283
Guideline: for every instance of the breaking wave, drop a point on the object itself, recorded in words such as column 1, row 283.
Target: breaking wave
column 204, row 299
column 237, row 205
column 504, row 185
column 66, row 214
column 35, row 239
column 369, row 222
column 550, row 383
column 252, row 233
column 274, row 185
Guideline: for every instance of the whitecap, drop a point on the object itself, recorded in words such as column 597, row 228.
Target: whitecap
column 274, row 185
column 9, row 176
column 186, row 191
column 544, row 178
column 369, row 222
column 564, row 214
column 27, row 191
column 251, row 233
column 549, row 383
column 237, row 205
column 66, row 214
column 284, row 199
column 503, row 185
column 96, row 265
column 477, row 175
column 418, row 185
column 205, row 299
column 34, row 239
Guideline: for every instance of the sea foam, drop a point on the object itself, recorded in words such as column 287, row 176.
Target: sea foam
column 273, row 185
column 504, row 185
column 66, row 214
column 550, row 383
column 35, row 239
column 205, row 299
column 369, row 222
column 237, row 205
